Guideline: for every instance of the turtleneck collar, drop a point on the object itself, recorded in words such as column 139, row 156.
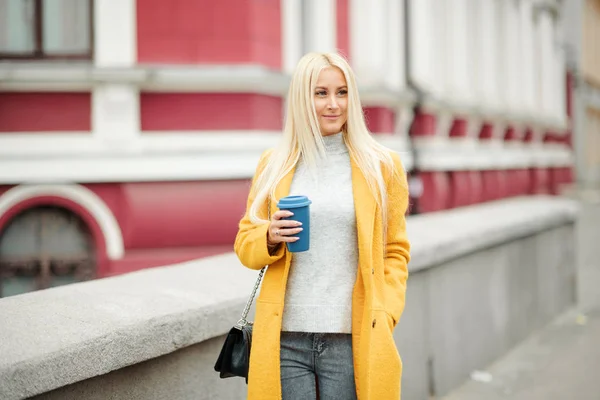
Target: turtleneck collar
column 334, row 144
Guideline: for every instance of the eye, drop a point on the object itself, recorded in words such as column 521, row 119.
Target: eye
column 343, row 92
column 321, row 93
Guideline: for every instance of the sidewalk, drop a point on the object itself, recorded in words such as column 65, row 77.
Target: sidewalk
column 561, row 362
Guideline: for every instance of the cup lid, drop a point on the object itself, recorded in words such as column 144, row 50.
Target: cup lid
column 293, row 202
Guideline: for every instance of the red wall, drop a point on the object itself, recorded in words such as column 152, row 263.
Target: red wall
column 343, row 31
column 209, row 31
column 380, row 119
column 45, row 112
column 218, row 111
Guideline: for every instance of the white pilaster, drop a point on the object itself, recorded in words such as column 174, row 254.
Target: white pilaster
column 115, row 43
column 441, row 44
column 291, row 25
column 527, row 65
column 546, row 56
column 369, row 41
column 560, row 72
column 395, row 73
column 115, row 106
column 457, row 60
column 423, row 43
column 513, row 57
column 320, row 25
column 487, row 53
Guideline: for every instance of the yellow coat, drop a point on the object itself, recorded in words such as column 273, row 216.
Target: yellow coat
column 378, row 295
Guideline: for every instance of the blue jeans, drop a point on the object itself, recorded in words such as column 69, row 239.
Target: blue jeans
column 312, row 362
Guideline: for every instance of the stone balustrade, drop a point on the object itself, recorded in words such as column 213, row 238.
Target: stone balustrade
column 482, row 278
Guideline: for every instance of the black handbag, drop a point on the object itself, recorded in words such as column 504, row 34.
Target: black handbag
column 234, row 358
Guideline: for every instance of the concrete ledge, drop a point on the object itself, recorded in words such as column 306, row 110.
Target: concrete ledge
column 64, row 335
column 443, row 236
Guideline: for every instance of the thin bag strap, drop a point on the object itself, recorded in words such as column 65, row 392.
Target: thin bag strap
column 243, row 321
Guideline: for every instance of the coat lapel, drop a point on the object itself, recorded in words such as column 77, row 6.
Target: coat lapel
column 365, row 207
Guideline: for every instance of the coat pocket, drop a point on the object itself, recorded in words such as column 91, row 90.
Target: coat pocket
column 385, row 365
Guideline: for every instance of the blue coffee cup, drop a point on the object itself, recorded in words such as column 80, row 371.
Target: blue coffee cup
column 299, row 205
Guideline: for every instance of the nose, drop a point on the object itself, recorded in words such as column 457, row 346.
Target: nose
column 333, row 105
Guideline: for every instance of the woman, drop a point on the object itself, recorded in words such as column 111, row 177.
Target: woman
column 324, row 318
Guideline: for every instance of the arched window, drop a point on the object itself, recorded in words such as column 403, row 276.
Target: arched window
column 44, row 247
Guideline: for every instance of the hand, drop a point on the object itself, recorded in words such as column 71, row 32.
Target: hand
column 281, row 230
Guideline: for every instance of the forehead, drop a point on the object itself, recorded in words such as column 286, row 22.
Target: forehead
column 331, row 76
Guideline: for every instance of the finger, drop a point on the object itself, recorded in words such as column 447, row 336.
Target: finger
column 289, row 231
column 282, row 214
column 286, row 223
column 288, row 239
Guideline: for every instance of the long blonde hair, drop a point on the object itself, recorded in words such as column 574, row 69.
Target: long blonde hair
column 302, row 136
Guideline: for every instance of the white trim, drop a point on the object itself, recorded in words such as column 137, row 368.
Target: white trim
column 177, row 156
column 468, row 154
column 322, row 20
column 291, row 42
column 173, row 142
column 115, row 43
column 157, row 156
column 116, row 114
column 80, row 195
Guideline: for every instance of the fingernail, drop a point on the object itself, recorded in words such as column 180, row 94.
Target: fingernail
column 299, row 223
column 301, row 229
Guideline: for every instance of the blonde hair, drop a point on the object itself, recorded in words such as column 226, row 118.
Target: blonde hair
column 302, row 136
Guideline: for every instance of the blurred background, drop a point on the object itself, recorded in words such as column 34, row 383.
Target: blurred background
column 129, row 129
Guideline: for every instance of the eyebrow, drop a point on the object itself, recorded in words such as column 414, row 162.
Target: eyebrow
column 323, row 87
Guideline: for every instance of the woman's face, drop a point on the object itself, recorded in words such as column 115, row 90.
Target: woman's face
column 331, row 100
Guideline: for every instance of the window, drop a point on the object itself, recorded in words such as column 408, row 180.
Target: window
column 46, row 29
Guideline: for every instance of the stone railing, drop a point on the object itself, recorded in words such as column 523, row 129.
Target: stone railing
column 482, row 278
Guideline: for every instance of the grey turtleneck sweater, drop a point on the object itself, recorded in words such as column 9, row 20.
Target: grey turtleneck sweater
column 319, row 290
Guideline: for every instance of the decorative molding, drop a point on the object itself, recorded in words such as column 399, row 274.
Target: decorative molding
column 467, row 154
column 115, row 37
column 176, row 156
column 80, row 195
column 44, row 158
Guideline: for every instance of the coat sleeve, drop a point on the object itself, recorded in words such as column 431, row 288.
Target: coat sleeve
column 251, row 239
column 397, row 247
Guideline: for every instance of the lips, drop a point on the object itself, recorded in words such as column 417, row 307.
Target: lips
column 331, row 116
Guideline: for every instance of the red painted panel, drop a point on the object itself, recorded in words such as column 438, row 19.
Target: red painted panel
column 494, row 185
column 208, row 31
column 266, row 32
column 476, row 187
column 210, row 111
column 380, row 119
column 137, row 259
column 487, row 131
column 170, row 214
column 510, row 134
column 45, row 112
column 516, row 182
column 459, row 128
column 559, row 177
column 540, row 181
column 343, row 28
column 436, row 192
column 460, row 188
column 423, row 125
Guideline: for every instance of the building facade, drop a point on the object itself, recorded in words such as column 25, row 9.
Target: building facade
column 129, row 129
column 582, row 19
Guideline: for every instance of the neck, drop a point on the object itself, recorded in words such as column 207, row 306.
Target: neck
column 334, row 144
